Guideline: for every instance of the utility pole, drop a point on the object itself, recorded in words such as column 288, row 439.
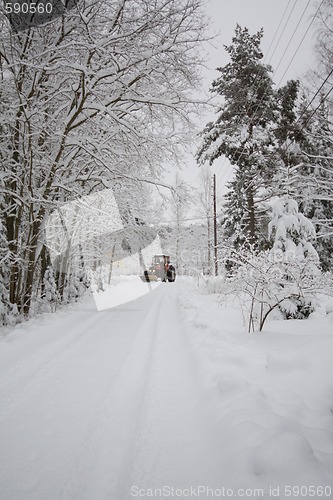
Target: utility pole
column 215, row 226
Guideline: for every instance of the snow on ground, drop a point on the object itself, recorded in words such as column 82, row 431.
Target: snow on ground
column 165, row 396
column 122, row 290
column 274, row 393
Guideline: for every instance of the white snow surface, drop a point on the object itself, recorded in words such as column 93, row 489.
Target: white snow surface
column 165, row 396
column 122, row 290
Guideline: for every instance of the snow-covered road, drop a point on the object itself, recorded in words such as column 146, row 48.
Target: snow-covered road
column 165, row 391
column 94, row 403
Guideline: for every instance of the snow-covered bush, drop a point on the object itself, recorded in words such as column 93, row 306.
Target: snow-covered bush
column 265, row 285
column 50, row 291
column 77, row 279
column 8, row 311
column 99, row 278
column 75, row 286
column 287, row 278
column 292, row 235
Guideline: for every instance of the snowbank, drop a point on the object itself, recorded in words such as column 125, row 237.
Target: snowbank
column 274, row 394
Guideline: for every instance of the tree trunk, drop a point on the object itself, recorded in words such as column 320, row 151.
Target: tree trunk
column 31, row 267
column 251, row 216
column 14, row 270
column 45, row 261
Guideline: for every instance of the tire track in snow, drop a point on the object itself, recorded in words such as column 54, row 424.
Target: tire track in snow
column 103, row 453
column 14, row 389
column 31, row 453
column 147, row 425
column 31, row 375
column 153, row 430
column 176, row 443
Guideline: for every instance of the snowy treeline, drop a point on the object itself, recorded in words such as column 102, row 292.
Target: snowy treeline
column 277, row 225
column 97, row 99
column 277, row 230
column 102, row 97
column 278, row 142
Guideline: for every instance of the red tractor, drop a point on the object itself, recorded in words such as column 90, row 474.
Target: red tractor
column 160, row 270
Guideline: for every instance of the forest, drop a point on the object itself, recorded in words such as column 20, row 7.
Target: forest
column 105, row 96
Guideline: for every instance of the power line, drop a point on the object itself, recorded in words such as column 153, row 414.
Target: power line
column 270, row 45
column 284, row 53
column 313, row 98
column 315, row 110
column 261, row 77
column 265, row 93
column 254, row 81
column 277, row 29
column 281, row 59
column 285, row 25
column 292, row 36
column 300, row 43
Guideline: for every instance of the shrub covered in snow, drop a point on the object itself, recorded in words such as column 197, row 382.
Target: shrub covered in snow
column 292, row 233
column 50, row 292
column 287, row 278
column 8, row 311
column 265, row 285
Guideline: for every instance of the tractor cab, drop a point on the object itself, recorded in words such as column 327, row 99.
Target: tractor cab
column 159, row 269
column 159, row 266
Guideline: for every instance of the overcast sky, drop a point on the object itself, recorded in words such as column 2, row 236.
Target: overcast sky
column 267, row 14
column 287, row 45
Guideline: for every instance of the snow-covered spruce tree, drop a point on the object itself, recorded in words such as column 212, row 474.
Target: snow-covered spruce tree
column 295, row 257
column 289, row 137
column 291, row 231
column 295, row 176
column 304, row 149
column 317, row 195
column 242, row 132
column 302, row 153
column 50, row 291
column 317, row 122
column 100, row 94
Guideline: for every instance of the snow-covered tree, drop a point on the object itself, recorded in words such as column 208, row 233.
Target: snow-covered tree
column 180, row 201
column 265, row 133
column 291, row 231
column 242, row 130
column 293, row 234
column 316, row 200
column 324, row 46
column 285, row 279
column 204, row 206
column 50, row 291
column 100, row 95
column 266, row 284
column 316, row 196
